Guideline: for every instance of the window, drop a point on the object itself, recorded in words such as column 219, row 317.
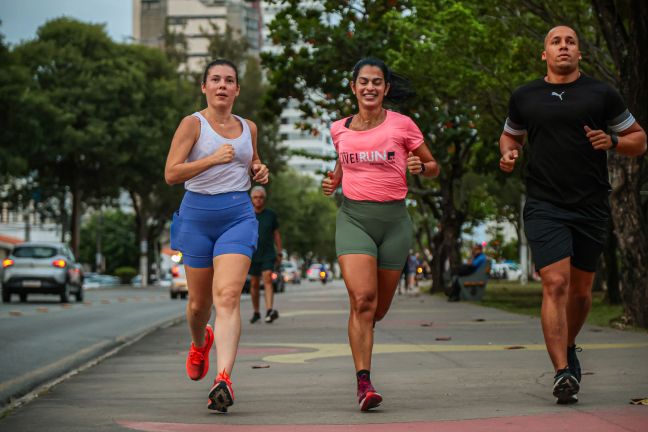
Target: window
column 34, row 252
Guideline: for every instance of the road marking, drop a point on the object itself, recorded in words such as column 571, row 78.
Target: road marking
column 321, row 351
column 299, row 313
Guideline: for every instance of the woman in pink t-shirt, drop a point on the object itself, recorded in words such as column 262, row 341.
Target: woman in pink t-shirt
column 376, row 148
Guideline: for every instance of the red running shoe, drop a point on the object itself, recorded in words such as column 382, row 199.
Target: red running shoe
column 368, row 397
column 221, row 394
column 198, row 358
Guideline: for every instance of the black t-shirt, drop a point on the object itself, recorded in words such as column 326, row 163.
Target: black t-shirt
column 267, row 226
column 563, row 168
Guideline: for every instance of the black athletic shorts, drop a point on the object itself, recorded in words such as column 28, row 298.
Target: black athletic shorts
column 556, row 232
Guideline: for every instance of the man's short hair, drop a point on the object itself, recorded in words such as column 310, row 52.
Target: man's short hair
column 546, row 39
column 258, row 189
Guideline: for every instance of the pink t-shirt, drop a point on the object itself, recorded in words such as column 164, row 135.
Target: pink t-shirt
column 374, row 162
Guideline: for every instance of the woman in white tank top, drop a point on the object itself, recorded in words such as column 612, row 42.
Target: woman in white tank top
column 214, row 152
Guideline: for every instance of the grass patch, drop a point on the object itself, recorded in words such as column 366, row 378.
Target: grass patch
column 527, row 300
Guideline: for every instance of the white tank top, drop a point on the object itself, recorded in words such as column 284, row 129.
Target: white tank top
column 230, row 177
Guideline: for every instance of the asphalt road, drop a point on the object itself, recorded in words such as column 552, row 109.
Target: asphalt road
column 43, row 339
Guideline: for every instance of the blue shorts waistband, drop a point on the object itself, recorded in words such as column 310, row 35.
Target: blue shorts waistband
column 215, row 202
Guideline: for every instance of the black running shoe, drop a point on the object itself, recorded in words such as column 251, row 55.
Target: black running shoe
column 572, row 360
column 565, row 387
column 256, row 317
column 271, row 315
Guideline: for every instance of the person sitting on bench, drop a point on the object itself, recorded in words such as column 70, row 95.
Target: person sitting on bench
column 470, row 267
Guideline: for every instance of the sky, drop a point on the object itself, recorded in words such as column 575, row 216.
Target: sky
column 21, row 18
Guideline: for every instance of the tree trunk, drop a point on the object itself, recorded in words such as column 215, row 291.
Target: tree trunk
column 629, row 49
column 76, row 216
column 142, row 235
column 445, row 246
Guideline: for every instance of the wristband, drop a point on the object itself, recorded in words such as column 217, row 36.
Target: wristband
column 422, row 168
column 615, row 140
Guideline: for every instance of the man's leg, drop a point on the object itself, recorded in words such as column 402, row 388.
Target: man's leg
column 269, row 291
column 254, row 295
column 579, row 301
column 555, row 285
column 271, row 313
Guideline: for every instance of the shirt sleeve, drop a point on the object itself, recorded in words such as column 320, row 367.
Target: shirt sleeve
column 413, row 135
column 514, row 124
column 617, row 116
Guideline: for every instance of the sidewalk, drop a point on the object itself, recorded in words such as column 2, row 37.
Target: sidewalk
column 492, row 375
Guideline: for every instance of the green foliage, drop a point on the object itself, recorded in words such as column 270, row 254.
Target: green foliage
column 306, row 216
column 125, row 274
column 118, row 241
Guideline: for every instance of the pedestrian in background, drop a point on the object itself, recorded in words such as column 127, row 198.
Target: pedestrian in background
column 266, row 258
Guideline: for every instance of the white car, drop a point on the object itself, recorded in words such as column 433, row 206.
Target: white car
column 41, row 268
column 290, row 272
column 178, row 287
column 506, row 270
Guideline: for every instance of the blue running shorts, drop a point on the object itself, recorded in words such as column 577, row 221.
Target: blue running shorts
column 206, row 226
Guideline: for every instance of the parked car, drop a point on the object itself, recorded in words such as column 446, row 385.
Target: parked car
column 313, row 272
column 506, row 270
column 278, row 283
column 95, row 281
column 41, row 268
column 290, row 272
column 178, row 287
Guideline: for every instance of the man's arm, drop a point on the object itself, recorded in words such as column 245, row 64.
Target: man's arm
column 631, row 141
column 510, row 148
column 277, row 240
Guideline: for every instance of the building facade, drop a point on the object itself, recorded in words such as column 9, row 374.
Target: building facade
column 196, row 20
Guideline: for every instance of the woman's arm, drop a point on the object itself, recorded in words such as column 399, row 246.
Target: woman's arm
column 422, row 157
column 260, row 172
column 177, row 169
column 332, row 179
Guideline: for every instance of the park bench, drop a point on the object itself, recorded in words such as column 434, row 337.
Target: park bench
column 473, row 286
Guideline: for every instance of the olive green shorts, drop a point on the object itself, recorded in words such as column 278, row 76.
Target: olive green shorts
column 380, row 229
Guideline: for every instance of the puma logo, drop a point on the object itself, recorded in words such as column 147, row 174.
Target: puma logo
column 559, row 95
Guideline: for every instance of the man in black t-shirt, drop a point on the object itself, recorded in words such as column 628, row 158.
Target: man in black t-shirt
column 571, row 121
column 266, row 256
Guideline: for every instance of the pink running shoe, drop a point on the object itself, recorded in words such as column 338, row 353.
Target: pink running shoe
column 221, row 394
column 198, row 358
column 368, row 397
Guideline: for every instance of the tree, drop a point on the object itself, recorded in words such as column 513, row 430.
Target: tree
column 82, row 87
column 159, row 98
column 623, row 25
column 117, row 237
column 322, row 43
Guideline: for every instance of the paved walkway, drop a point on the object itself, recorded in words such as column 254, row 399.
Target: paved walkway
column 440, row 366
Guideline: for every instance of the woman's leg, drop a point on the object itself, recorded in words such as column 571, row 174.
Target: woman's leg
column 199, row 284
column 360, row 276
column 229, row 276
column 387, row 284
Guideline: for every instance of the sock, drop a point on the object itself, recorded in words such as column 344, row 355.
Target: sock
column 364, row 372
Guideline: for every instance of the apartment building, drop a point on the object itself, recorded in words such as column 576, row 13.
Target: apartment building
column 196, row 20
